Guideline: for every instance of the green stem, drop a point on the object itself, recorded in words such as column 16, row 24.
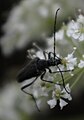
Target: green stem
column 68, row 77
column 78, row 78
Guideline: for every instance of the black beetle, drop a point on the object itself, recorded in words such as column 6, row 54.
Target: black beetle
column 37, row 67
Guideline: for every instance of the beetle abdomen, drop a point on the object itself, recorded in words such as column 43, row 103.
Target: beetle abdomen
column 27, row 74
column 28, row 71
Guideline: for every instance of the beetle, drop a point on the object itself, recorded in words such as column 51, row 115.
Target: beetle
column 37, row 67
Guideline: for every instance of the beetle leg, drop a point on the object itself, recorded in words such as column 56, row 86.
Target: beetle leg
column 42, row 77
column 44, row 53
column 50, row 71
column 61, row 76
column 63, row 79
column 49, row 55
column 25, row 86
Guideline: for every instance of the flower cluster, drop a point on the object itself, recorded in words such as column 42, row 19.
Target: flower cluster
column 81, row 63
column 76, row 28
column 72, row 63
column 24, row 22
column 58, row 91
column 59, row 94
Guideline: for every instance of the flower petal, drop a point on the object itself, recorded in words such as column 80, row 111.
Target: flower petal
column 66, row 95
column 62, row 103
column 81, row 64
column 57, row 87
column 52, row 103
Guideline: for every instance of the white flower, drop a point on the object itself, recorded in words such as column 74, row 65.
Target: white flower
column 70, row 62
column 43, row 11
column 66, row 96
column 25, row 23
column 75, row 30
column 60, row 35
column 81, row 64
column 59, row 94
column 72, row 30
column 80, row 19
column 40, row 55
column 39, row 91
column 81, row 38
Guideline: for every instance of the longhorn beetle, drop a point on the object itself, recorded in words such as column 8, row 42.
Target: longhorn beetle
column 37, row 67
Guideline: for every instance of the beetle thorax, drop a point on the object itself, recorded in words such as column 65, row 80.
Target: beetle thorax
column 53, row 62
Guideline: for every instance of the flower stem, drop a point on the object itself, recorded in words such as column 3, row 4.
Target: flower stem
column 78, row 78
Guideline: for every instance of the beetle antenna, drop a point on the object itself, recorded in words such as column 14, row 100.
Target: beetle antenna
column 35, row 45
column 55, row 26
